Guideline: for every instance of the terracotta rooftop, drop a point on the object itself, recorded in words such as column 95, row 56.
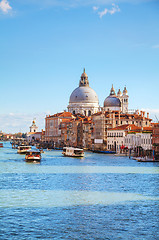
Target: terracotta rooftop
column 128, row 127
column 62, row 114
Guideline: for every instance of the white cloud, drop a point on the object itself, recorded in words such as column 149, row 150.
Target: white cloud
column 5, row 6
column 102, row 13
column 115, row 8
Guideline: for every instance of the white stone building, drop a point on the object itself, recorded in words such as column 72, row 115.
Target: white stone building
column 139, row 139
column 116, row 137
column 33, row 127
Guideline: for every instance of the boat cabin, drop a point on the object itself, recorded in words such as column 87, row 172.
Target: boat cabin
column 23, row 149
column 33, row 155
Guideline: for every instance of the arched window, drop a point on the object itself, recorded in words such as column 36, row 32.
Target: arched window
column 89, row 113
column 85, row 113
column 74, row 112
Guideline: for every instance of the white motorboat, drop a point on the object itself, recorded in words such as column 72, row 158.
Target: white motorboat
column 33, row 155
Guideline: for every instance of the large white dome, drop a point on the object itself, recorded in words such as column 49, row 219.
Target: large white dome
column 83, row 95
column 83, row 99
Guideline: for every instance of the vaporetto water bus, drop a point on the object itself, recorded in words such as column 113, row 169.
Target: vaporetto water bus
column 73, row 152
column 23, row 149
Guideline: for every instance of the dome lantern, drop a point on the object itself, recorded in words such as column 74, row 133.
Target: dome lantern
column 84, row 79
column 112, row 91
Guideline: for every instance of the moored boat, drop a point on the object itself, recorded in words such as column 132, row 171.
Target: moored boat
column 23, row 149
column 73, row 152
column 1, row 145
column 33, row 155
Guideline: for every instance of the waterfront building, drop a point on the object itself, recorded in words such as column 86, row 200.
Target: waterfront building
column 78, row 131
column 141, row 137
column 116, row 136
column 33, row 135
column 52, row 127
column 87, row 134
column 155, row 139
column 104, row 120
column 64, row 130
column 83, row 99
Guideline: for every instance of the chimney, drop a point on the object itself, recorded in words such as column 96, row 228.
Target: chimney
column 141, row 113
column 148, row 115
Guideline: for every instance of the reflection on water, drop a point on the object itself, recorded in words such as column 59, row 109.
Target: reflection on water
column 30, row 168
column 39, row 198
column 97, row 197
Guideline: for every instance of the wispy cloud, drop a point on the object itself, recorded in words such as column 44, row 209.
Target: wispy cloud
column 95, row 8
column 115, row 8
column 5, row 6
column 16, row 122
column 155, row 46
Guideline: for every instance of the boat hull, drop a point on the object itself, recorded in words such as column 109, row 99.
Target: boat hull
column 33, row 159
column 68, row 155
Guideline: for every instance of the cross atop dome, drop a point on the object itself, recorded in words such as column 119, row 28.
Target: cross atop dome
column 84, row 80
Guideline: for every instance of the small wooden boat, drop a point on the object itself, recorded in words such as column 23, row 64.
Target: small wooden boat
column 147, row 160
column 73, row 152
column 33, row 156
column 1, row 145
column 23, row 149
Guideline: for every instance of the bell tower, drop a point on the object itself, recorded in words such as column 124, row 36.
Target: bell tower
column 125, row 101
column 33, row 127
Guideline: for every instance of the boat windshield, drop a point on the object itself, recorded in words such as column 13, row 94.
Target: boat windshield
column 33, row 153
column 78, row 151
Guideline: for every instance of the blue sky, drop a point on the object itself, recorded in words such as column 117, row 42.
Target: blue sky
column 45, row 44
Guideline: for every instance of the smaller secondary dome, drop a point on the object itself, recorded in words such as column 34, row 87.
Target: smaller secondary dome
column 112, row 100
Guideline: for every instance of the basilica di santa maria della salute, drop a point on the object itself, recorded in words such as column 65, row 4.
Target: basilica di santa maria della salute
column 91, row 126
column 84, row 99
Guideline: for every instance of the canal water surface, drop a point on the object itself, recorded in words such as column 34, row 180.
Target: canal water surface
column 96, row 197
